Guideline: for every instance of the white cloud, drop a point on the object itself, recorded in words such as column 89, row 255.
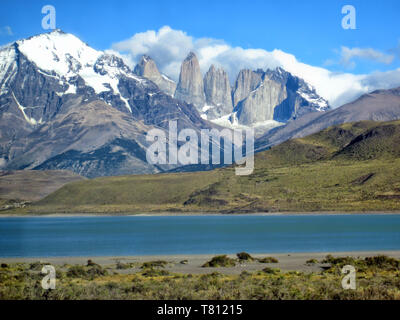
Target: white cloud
column 348, row 55
column 168, row 47
column 6, row 31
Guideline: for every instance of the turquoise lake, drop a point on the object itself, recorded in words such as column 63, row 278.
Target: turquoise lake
column 145, row 235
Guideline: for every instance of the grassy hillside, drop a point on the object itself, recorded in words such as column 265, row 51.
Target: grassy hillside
column 17, row 188
column 351, row 167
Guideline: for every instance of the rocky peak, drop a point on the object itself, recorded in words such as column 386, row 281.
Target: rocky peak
column 107, row 62
column 191, row 56
column 147, row 68
column 259, row 106
column 190, row 86
column 279, row 96
column 300, row 87
column 246, row 82
column 217, row 90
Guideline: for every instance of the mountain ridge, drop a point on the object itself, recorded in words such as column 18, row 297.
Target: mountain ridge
column 341, row 168
column 234, row 106
column 44, row 78
column 379, row 105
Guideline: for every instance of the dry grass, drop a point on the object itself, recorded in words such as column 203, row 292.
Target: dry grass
column 377, row 278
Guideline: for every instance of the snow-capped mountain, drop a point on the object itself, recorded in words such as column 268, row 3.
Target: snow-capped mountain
column 301, row 87
column 64, row 57
column 65, row 105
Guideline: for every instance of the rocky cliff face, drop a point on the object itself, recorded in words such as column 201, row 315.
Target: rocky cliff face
column 190, row 86
column 279, row 96
column 258, row 98
column 147, row 68
column 218, row 93
column 246, row 82
column 259, row 106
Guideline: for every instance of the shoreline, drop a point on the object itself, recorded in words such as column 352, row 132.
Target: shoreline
column 187, row 214
column 286, row 261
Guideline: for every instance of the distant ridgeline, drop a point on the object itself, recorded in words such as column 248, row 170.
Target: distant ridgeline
column 351, row 167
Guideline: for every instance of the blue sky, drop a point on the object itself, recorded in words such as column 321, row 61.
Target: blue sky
column 311, row 30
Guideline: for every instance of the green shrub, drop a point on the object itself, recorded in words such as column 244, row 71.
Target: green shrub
column 271, row 270
column 383, row 262
column 122, row 266
column 244, row 256
column 36, row 266
column 90, row 273
column 77, row 272
column 90, row 263
column 312, row 261
column 220, row 261
column 210, row 276
column 244, row 274
column 154, row 264
column 268, row 260
column 96, row 271
column 339, row 261
column 150, row 272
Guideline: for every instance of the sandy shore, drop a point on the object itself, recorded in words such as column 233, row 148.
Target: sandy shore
column 169, row 214
column 193, row 263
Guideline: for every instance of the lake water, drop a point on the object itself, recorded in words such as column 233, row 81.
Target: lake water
column 144, row 235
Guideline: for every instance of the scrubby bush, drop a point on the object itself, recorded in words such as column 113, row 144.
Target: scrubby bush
column 244, row 256
column 154, row 264
column 377, row 278
column 220, row 261
column 245, row 274
column 312, row 261
column 150, row 272
column 89, row 273
column 36, row 266
column 339, row 261
column 96, row 271
column 123, row 266
column 77, row 272
column 271, row 270
column 383, row 262
column 268, row 260
column 211, row 276
column 90, row 263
